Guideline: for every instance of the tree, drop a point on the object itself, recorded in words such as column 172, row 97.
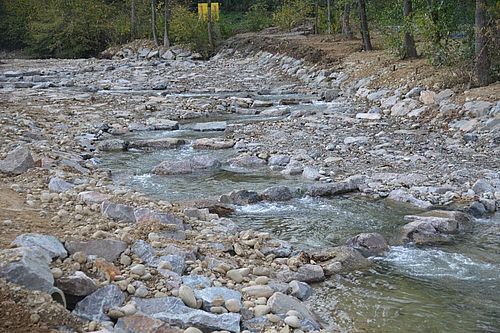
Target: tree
column 365, row 32
column 166, row 39
column 410, row 49
column 209, row 13
column 153, row 21
column 329, row 16
column 133, row 20
column 346, row 25
column 482, row 63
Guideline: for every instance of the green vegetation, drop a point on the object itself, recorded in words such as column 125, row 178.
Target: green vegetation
column 447, row 32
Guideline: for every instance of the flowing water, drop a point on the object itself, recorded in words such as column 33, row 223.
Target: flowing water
column 453, row 288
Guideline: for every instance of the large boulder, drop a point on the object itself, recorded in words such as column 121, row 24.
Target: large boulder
column 112, row 145
column 94, row 306
column 160, row 143
column 108, row 249
column 369, row 244
column 434, row 227
column 49, row 244
column 305, row 273
column 209, row 295
column 118, row 212
column 340, row 259
column 59, row 185
column 212, row 143
column 200, row 162
column 277, row 247
column 78, row 284
column 277, row 193
column 210, row 126
column 281, row 304
column 405, row 197
column 351, row 184
column 17, row 161
column 28, row 267
column 139, row 323
column 173, row 311
column 240, row 197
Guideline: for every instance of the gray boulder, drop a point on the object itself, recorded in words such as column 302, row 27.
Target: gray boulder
column 369, row 244
column 162, row 124
column 209, row 295
column 305, row 273
column 340, row 259
column 59, row 185
column 482, row 186
column 403, row 196
column 160, row 143
column 49, row 244
column 78, row 284
column 281, row 304
column 17, row 161
column 277, row 193
column 434, row 227
column 139, row 323
column 173, row 311
column 240, row 197
column 311, row 173
column 112, row 145
column 108, row 249
column 28, row 267
column 211, row 126
column 196, row 282
column 278, row 160
column 118, row 212
column 94, row 306
column 300, row 290
column 278, row 247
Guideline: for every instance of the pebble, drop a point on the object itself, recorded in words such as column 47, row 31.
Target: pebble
column 186, row 294
column 292, row 321
column 125, row 260
column 80, row 257
column 262, row 280
column 138, row 269
column 35, row 318
column 235, row 275
column 261, row 310
column 218, row 310
column 57, row 272
column 233, row 305
column 192, row 330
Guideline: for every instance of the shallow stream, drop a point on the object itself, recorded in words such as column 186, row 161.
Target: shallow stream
column 453, row 288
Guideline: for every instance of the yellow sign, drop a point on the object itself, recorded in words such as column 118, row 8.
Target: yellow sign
column 203, row 11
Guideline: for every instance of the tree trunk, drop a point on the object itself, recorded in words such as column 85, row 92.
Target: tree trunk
column 329, row 16
column 346, row 25
column 482, row 61
column 410, row 49
column 133, row 21
column 153, row 21
column 316, row 17
column 166, row 40
column 365, row 32
column 210, row 39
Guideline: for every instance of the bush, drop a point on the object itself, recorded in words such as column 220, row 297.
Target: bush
column 14, row 15
column 291, row 14
column 258, row 17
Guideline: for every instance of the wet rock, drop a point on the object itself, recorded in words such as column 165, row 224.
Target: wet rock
column 305, row 273
column 28, row 267
column 94, row 306
column 369, row 244
column 323, row 190
column 108, row 249
column 340, row 259
column 160, row 143
column 434, row 227
column 17, row 161
column 403, row 196
column 300, row 290
column 112, row 145
column 209, row 127
column 58, row 185
column 118, row 212
column 281, row 304
column 246, row 161
column 477, row 209
column 78, row 284
column 49, row 244
column 277, row 193
column 240, row 197
column 212, row 296
column 212, row 143
column 173, row 311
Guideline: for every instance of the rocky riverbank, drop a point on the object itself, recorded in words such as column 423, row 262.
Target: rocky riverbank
column 160, row 266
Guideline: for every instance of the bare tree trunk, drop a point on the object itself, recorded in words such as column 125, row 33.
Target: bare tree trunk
column 166, row 40
column 346, row 25
column 210, row 39
column 410, row 49
column 329, row 16
column 482, row 61
column 133, row 21
column 316, row 17
column 365, row 32
column 153, row 21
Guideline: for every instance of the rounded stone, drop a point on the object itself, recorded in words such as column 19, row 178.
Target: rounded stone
column 293, row 313
column 218, row 310
column 235, row 275
column 192, row 330
column 186, row 294
column 138, row 269
column 292, row 321
column 233, row 305
column 125, row 260
column 262, row 280
column 57, row 272
column 261, row 310
column 80, row 257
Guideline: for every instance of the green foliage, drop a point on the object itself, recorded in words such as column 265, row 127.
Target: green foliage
column 291, row 14
column 14, row 17
column 258, row 17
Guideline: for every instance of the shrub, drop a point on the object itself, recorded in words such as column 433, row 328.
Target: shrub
column 291, row 14
column 258, row 17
